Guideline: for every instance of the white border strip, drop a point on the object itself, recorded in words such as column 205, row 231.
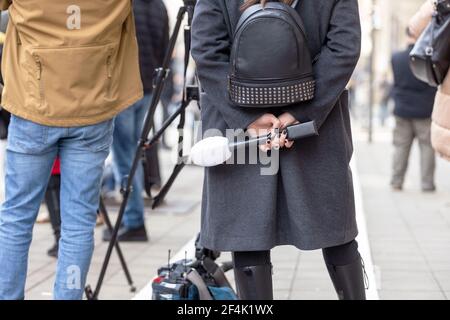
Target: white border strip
column 363, row 238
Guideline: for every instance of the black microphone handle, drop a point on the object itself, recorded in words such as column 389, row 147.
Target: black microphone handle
column 302, row 131
column 294, row 132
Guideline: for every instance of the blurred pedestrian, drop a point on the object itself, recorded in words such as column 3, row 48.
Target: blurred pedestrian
column 70, row 68
column 52, row 200
column 53, row 203
column 386, row 92
column 414, row 101
column 440, row 128
column 5, row 116
column 152, row 28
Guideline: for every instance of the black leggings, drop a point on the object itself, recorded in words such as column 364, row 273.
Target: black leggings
column 336, row 256
column 52, row 200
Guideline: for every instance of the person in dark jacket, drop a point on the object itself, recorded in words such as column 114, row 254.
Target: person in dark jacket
column 414, row 102
column 152, row 28
column 5, row 116
column 309, row 202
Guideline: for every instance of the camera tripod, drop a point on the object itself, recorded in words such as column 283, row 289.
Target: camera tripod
column 189, row 93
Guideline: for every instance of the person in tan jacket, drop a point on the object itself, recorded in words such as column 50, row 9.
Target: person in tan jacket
column 69, row 67
column 440, row 128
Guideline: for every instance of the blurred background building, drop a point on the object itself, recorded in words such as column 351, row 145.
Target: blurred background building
column 384, row 24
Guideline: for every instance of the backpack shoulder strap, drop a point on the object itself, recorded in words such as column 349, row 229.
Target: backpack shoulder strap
column 247, row 13
column 226, row 15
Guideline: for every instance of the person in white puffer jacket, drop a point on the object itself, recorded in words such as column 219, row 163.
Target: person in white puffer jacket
column 440, row 129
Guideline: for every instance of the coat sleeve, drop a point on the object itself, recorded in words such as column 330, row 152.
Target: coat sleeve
column 211, row 46
column 336, row 62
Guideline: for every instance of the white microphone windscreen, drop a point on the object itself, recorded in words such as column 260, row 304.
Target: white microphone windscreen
column 210, row 152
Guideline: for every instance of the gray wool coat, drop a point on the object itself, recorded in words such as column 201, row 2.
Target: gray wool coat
column 310, row 202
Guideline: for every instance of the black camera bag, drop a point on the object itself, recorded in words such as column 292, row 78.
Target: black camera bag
column 430, row 57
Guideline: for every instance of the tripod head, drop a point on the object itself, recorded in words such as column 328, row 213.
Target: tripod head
column 189, row 3
column 189, row 6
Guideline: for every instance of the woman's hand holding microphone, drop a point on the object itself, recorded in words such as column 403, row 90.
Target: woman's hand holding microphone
column 270, row 123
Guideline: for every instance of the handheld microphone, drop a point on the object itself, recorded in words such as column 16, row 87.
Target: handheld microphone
column 214, row 151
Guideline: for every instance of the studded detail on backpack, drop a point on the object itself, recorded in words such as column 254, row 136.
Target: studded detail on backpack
column 271, row 65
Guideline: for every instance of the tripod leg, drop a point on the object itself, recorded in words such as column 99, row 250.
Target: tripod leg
column 104, row 212
column 159, row 80
column 162, row 194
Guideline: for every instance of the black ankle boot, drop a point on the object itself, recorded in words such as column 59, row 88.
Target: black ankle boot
column 128, row 235
column 348, row 280
column 254, row 283
column 53, row 251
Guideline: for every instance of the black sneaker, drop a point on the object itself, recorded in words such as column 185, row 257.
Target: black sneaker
column 53, row 251
column 107, row 234
column 128, row 235
column 429, row 189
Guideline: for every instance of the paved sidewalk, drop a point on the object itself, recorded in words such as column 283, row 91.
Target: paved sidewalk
column 409, row 231
column 409, row 234
column 169, row 227
column 297, row 275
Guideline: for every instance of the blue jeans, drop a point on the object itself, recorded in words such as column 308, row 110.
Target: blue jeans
column 127, row 131
column 31, row 151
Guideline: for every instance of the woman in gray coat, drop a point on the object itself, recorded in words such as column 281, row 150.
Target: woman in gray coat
column 309, row 203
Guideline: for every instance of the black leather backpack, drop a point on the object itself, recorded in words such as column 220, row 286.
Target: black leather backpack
column 430, row 57
column 271, row 65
